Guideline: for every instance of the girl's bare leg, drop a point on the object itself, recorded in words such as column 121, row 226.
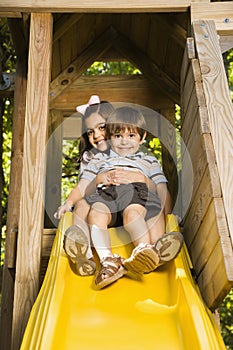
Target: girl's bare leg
column 98, row 219
column 80, row 215
column 111, row 268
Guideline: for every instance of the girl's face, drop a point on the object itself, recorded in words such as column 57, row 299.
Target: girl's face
column 95, row 126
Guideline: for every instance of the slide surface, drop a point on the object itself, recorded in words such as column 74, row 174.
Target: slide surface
column 162, row 310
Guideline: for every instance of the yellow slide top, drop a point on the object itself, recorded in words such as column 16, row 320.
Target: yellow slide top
column 162, row 310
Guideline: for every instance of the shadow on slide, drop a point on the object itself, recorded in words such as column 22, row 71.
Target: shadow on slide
column 162, row 310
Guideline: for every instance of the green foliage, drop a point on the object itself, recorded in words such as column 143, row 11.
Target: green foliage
column 229, row 68
column 225, row 310
column 6, row 153
column 153, row 145
column 111, row 68
column 70, row 165
column 7, row 65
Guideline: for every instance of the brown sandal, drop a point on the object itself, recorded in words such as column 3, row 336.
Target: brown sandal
column 111, row 270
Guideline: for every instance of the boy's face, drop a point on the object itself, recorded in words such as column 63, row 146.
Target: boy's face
column 126, row 142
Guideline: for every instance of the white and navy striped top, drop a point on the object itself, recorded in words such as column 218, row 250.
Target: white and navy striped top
column 145, row 163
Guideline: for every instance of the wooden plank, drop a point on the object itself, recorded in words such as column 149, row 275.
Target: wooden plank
column 196, row 151
column 76, row 68
column 95, row 6
column 212, row 292
column 219, row 107
column 169, row 152
column 31, row 203
column 140, row 26
column 171, row 66
column 215, row 289
column 226, row 42
column 189, row 54
column 47, row 243
column 206, row 180
column 13, row 209
column 64, row 23
column 53, row 168
column 148, row 67
column 13, row 14
column 155, row 50
column 219, row 12
column 200, row 202
column 173, row 29
column 205, row 240
column 121, row 88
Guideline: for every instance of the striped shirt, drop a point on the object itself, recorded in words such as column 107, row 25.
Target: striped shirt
column 102, row 162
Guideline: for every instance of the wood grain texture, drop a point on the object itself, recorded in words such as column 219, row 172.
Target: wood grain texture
column 31, row 203
column 94, row 6
column 219, row 106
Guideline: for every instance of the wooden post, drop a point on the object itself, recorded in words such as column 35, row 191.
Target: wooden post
column 168, row 137
column 15, row 184
column 219, row 107
column 54, row 168
column 32, row 201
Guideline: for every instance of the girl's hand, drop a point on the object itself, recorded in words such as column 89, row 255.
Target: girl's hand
column 64, row 208
column 122, row 176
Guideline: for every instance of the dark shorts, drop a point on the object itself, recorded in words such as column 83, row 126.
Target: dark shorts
column 117, row 198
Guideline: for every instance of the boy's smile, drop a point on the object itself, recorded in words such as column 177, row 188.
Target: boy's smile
column 126, row 142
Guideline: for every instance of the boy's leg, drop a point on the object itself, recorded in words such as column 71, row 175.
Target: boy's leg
column 111, row 268
column 156, row 227
column 77, row 241
column 147, row 257
column 135, row 224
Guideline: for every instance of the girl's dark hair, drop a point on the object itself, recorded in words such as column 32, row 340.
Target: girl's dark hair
column 125, row 118
column 104, row 108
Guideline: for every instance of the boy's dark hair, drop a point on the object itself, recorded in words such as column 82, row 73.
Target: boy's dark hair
column 125, row 118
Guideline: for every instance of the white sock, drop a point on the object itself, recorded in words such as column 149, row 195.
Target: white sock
column 101, row 241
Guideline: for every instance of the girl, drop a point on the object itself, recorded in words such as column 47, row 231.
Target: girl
column 77, row 243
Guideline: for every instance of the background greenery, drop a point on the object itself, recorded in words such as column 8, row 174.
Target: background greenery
column 70, row 149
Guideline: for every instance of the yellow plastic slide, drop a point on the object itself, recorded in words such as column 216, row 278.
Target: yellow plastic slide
column 162, row 310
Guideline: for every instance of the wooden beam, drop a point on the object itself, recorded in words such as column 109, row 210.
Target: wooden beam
column 53, row 168
column 93, row 6
column 13, row 210
column 85, row 59
column 219, row 107
column 118, row 88
column 151, row 70
column 64, row 23
column 177, row 33
column 226, row 42
column 13, row 14
column 31, row 219
column 220, row 12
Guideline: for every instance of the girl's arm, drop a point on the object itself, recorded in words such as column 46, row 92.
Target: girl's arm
column 122, row 176
column 75, row 195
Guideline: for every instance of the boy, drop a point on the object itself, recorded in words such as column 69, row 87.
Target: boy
column 141, row 211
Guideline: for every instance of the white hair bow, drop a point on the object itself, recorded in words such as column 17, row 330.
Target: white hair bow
column 92, row 101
